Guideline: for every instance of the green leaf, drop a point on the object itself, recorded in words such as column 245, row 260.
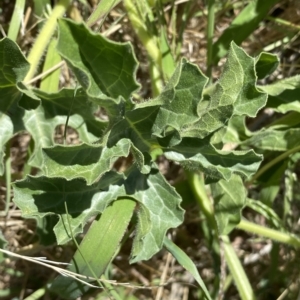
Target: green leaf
column 167, row 61
column 284, row 94
column 236, row 269
column 103, row 68
column 234, row 94
column 53, row 111
column 15, row 22
column 89, row 162
column 266, row 64
column 270, row 182
column 229, row 197
column 187, row 263
column 236, row 131
column 13, row 69
column 159, row 204
column 275, row 140
column 199, row 155
column 13, row 64
column 242, row 26
column 180, row 112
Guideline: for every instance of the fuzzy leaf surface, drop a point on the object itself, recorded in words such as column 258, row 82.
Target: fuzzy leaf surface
column 159, row 204
column 275, row 140
column 85, row 161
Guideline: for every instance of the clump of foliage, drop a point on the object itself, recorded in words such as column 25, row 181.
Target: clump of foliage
column 189, row 121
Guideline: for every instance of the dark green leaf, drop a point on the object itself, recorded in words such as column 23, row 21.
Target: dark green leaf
column 284, row 95
column 266, row 64
column 103, row 67
column 159, row 207
column 53, row 111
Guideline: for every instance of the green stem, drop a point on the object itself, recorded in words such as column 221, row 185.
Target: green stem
column 232, row 260
column 197, row 185
column 44, row 37
column 284, row 22
column 272, row 163
column 237, row 271
column 269, row 233
column 148, row 41
column 7, row 178
column 156, row 83
column 210, row 35
column 16, row 20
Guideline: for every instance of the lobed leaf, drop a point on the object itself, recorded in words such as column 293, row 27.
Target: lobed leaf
column 159, row 204
column 85, row 161
column 53, row 111
column 103, row 68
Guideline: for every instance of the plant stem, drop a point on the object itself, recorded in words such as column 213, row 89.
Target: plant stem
column 196, row 183
column 44, row 37
column 237, row 271
column 272, row 163
column 232, row 260
column 16, row 20
column 7, row 178
column 148, row 41
column 269, row 233
column 141, row 30
column 210, row 35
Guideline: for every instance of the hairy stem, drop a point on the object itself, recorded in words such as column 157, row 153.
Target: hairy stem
column 210, row 35
column 269, row 233
column 44, row 37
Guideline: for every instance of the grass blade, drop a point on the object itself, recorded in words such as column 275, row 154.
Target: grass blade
column 97, row 249
column 242, row 26
column 16, row 20
column 102, row 10
column 187, row 263
column 237, row 271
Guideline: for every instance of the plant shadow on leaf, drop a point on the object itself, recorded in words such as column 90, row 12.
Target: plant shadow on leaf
column 85, row 154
